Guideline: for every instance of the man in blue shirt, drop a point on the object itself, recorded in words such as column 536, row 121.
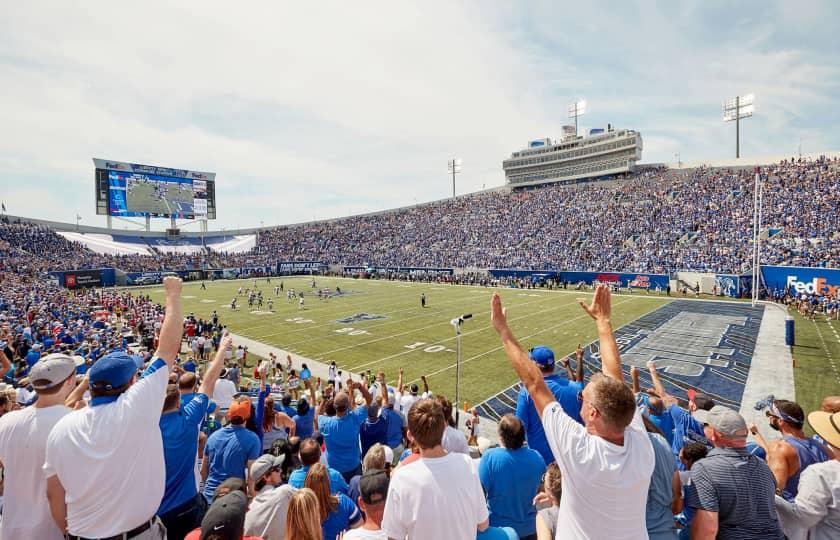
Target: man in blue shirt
column 341, row 432
column 310, row 454
column 182, row 508
column 230, row 450
column 304, row 416
column 564, row 391
column 511, row 477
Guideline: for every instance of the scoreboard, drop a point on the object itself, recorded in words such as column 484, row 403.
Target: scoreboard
column 135, row 190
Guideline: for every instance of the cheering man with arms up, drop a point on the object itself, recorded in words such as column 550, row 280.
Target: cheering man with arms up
column 104, row 464
column 607, row 463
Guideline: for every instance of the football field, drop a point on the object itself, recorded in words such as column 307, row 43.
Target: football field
column 380, row 325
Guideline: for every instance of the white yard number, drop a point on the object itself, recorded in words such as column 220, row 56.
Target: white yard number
column 429, row 349
column 351, row 331
column 299, row 320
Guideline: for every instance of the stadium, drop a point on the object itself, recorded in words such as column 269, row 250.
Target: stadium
column 659, row 317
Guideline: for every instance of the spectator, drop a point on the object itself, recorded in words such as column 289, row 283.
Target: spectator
column 511, row 477
column 341, row 432
column 182, row 507
column 276, row 426
column 611, row 459
column 374, row 430
column 230, row 450
column 337, row 512
column 416, row 507
column 223, row 393
column 23, row 441
column 310, row 454
column 268, row 511
column 303, row 521
column 304, row 416
column 733, row 496
column 118, row 432
column 690, row 454
column 789, row 457
column 379, row 457
column 552, row 491
column 664, row 497
column 565, row 392
column 373, row 488
column 225, row 520
column 453, row 439
column 815, row 512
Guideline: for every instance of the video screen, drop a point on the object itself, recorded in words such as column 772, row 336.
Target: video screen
column 139, row 195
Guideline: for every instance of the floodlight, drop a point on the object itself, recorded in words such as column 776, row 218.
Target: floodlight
column 736, row 109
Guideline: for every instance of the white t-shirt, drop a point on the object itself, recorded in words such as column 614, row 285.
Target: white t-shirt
column 455, row 441
column 23, row 443
column 223, row 393
column 109, row 458
column 266, row 515
column 438, row 498
column 365, row 534
column 604, row 485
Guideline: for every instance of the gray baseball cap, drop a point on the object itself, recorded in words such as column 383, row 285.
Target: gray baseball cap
column 724, row 420
column 51, row 370
column 265, row 463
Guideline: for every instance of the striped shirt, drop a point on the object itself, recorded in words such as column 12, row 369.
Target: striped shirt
column 740, row 488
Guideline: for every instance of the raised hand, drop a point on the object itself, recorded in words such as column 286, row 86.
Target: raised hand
column 172, row 285
column 226, row 344
column 579, row 353
column 498, row 314
column 601, row 307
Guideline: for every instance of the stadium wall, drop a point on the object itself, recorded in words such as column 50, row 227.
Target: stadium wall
column 802, row 279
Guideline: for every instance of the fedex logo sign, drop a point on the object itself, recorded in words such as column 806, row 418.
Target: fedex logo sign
column 815, row 286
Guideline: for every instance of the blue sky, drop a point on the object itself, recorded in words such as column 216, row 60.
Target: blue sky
column 321, row 110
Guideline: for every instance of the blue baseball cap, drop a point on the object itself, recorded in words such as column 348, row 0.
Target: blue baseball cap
column 112, row 371
column 543, row 356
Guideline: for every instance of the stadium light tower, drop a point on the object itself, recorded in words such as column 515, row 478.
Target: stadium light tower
column 578, row 108
column 735, row 109
column 454, row 167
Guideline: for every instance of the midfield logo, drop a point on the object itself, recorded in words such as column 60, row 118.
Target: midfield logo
column 359, row 317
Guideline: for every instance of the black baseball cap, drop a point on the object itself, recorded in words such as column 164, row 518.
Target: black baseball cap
column 225, row 519
column 373, row 486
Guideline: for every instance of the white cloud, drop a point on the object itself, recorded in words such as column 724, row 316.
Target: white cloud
column 322, row 111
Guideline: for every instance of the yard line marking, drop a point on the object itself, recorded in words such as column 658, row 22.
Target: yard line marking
column 482, row 329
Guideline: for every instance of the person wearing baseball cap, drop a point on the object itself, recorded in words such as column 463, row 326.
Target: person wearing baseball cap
column 564, row 391
column 734, row 490
column 267, row 512
column 230, row 451
column 26, row 512
column 373, row 491
column 814, row 514
column 224, row 520
column 114, row 447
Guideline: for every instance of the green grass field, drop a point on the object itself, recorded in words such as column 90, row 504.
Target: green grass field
column 817, row 356
column 422, row 341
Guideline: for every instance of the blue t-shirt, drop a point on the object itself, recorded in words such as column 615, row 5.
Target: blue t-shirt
column 395, row 425
column 511, row 479
column 497, row 533
column 229, row 450
column 345, row 515
column 179, row 430
column 189, row 366
column 32, row 358
column 304, row 425
column 337, row 482
column 686, row 430
column 305, row 374
column 372, row 433
column 566, row 393
column 658, row 516
column 186, row 398
column 341, row 436
column 663, row 421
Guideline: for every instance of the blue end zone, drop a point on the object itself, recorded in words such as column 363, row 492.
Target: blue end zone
column 695, row 344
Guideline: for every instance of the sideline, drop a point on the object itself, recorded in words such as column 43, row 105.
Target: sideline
column 771, row 369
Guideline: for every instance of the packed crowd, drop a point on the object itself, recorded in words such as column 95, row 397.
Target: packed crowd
column 659, row 221
column 101, row 438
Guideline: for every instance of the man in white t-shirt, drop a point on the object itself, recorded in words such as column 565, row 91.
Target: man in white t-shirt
column 224, row 392
column 267, row 512
column 23, row 442
column 405, row 401
column 373, row 492
column 607, row 464
column 418, row 506
column 104, row 464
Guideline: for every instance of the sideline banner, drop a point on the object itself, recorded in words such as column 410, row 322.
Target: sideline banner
column 802, row 280
column 399, row 270
column 623, row 279
column 299, row 267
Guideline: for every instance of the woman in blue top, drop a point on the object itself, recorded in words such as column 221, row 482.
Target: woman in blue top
column 338, row 512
